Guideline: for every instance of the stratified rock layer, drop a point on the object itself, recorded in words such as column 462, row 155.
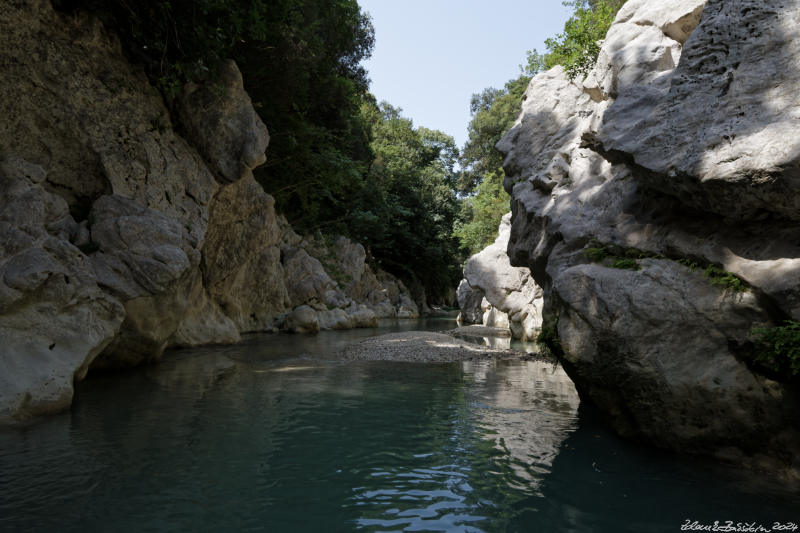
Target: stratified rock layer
column 674, row 153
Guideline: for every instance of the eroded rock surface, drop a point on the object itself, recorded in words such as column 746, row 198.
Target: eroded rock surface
column 54, row 318
column 496, row 294
column 674, row 154
column 120, row 237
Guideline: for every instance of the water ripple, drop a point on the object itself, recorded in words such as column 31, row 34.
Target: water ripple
column 245, row 438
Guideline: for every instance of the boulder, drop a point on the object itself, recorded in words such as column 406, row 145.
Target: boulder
column 621, row 326
column 303, row 319
column 241, row 264
column 219, row 120
column 334, row 319
column 203, row 321
column 137, row 193
column 469, row 303
column 510, row 296
column 735, row 88
column 334, row 273
column 306, row 278
column 361, row 316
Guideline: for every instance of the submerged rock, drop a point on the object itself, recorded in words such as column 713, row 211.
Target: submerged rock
column 626, row 187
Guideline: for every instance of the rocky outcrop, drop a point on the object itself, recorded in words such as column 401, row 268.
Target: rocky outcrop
column 334, row 273
column 499, row 295
column 673, row 155
column 54, row 319
column 220, row 122
column 120, row 237
column 469, row 303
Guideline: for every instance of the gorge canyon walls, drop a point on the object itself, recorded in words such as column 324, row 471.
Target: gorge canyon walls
column 126, row 228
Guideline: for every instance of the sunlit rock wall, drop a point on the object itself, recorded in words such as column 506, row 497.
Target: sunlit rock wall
column 674, row 154
column 496, row 294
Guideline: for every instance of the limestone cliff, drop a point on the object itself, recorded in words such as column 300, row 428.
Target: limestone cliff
column 674, row 154
column 496, row 294
column 120, row 236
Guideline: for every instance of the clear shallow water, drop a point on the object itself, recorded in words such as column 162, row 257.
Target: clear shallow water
column 271, row 435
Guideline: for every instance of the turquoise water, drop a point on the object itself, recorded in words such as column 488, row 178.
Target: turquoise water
column 271, row 435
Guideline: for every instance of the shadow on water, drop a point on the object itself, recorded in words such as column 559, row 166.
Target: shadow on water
column 602, row 483
column 216, row 439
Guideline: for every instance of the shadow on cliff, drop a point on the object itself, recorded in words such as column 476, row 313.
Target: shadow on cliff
column 728, row 102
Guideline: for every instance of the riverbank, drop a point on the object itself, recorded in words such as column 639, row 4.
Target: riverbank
column 428, row 347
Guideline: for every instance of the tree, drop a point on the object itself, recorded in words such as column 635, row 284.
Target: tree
column 577, row 47
column 405, row 213
column 493, row 113
column 481, row 213
column 495, row 110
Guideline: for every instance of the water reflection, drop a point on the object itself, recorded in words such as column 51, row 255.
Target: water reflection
column 508, row 420
column 526, row 410
column 274, row 435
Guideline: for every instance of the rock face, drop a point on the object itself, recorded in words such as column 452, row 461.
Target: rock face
column 496, row 294
column 54, row 319
column 674, row 153
column 334, row 273
column 120, row 237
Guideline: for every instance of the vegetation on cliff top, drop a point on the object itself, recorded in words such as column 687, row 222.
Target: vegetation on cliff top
column 337, row 162
column 495, row 110
column 577, row 47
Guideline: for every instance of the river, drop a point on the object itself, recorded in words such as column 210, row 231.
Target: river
column 274, row 435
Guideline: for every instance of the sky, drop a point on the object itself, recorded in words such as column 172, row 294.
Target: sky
column 430, row 56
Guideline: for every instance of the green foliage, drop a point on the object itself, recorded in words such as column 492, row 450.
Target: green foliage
column 596, row 254
column 626, row 263
column 577, row 47
column 689, row 263
column 405, row 211
column 626, row 259
column 778, row 349
column 548, row 339
column 629, row 259
column 480, row 214
column 305, row 76
column 718, row 276
column 493, row 113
